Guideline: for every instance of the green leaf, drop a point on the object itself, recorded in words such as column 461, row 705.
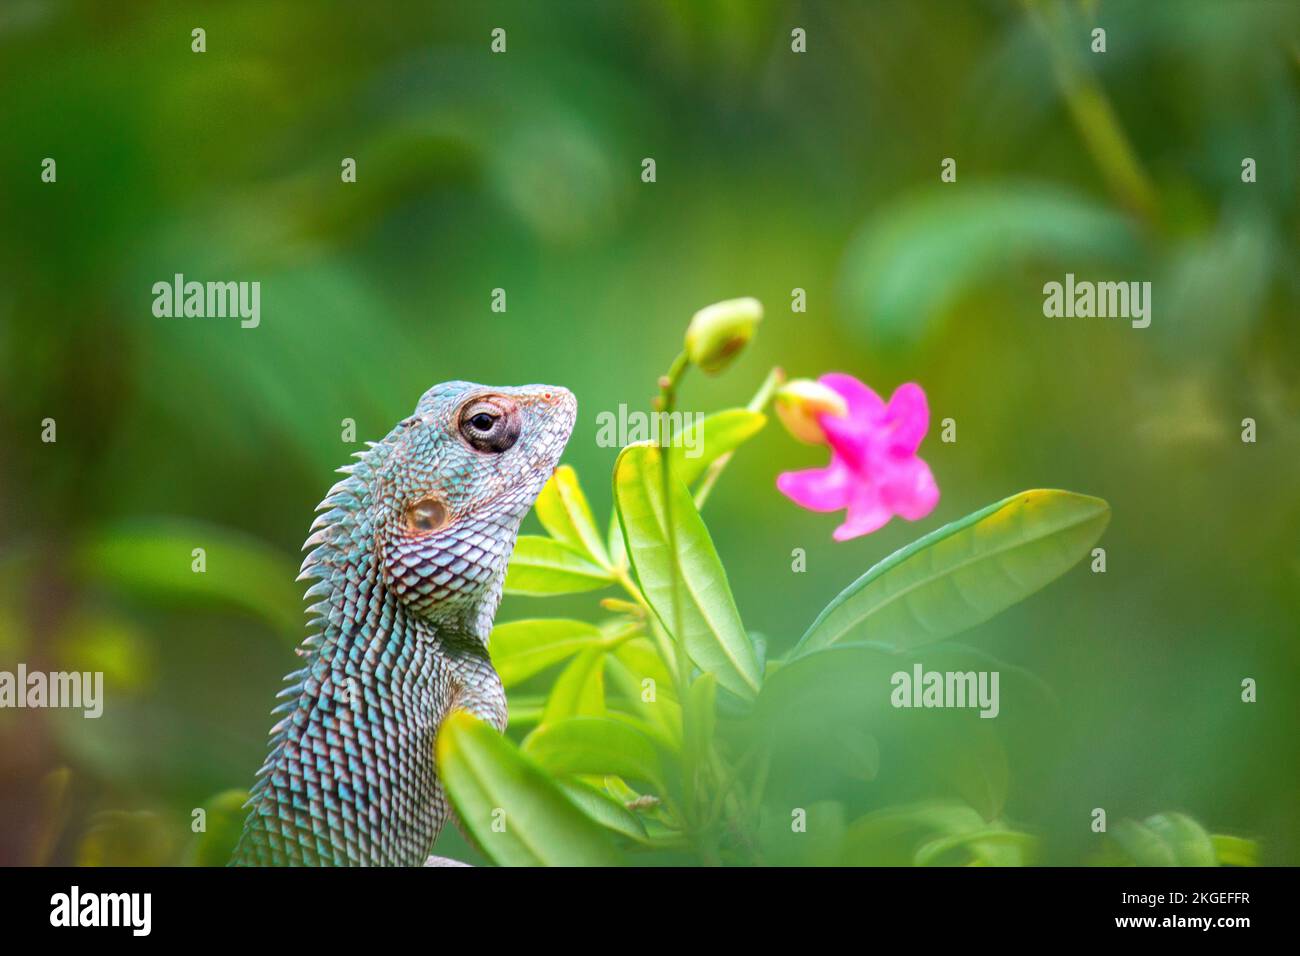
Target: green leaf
column 808, row 709
column 699, row 445
column 703, row 712
column 712, row 632
column 627, row 671
column 1192, row 846
column 643, row 660
column 526, row 710
column 817, row 843
column 565, row 514
column 974, row 764
column 580, row 688
column 484, row 773
column 665, row 741
column 1235, row 851
column 617, row 546
column 521, row 649
column 618, row 789
column 1165, row 839
column 604, row 809
column 990, row 846
column 542, row 566
column 595, row 745
column 917, row 258
column 857, row 753
column 964, row 573
column 127, row 838
column 893, row 835
column 224, row 815
column 154, row 558
column 852, row 685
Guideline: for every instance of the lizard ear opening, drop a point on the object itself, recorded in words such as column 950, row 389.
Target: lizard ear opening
column 425, row 515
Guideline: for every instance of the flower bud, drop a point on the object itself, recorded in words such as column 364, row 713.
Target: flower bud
column 717, row 332
column 800, row 401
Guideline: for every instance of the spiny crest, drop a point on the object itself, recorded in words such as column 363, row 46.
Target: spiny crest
column 334, row 542
column 340, row 515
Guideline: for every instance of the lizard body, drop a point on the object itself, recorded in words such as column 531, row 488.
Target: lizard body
column 409, row 554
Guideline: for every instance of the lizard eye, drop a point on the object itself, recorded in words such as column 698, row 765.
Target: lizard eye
column 490, row 424
column 426, row 515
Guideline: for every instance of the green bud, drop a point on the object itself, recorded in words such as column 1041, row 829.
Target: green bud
column 717, row 332
column 799, row 402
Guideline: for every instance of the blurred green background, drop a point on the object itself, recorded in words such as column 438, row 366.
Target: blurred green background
column 775, row 171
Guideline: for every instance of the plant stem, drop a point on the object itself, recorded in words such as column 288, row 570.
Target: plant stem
column 621, row 575
column 668, row 383
column 699, row 828
column 656, row 632
column 756, row 404
column 1094, row 117
column 667, row 401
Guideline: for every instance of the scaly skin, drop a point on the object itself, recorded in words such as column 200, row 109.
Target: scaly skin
column 409, row 555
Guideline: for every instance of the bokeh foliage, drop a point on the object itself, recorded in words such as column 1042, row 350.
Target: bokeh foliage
column 775, row 171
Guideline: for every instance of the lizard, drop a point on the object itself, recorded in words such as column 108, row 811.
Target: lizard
column 408, row 555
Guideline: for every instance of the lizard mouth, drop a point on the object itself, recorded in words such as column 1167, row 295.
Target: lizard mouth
column 549, row 459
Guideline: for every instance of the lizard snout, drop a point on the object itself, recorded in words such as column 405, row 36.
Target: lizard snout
column 555, row 402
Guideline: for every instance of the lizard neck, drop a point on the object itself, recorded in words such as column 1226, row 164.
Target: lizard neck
column 350, row 777
column 352, row 576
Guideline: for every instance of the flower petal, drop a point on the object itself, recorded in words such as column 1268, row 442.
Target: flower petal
column 867, row 513
column 863, row 402
column 874, row 472
column 908, row 488
column 909, row 418
column 817, row 489
column 853, row 434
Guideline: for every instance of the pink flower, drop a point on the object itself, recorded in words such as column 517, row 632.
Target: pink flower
column 874, row 471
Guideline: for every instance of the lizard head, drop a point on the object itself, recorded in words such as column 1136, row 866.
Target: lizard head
column 463, row 472
column 437, row 504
